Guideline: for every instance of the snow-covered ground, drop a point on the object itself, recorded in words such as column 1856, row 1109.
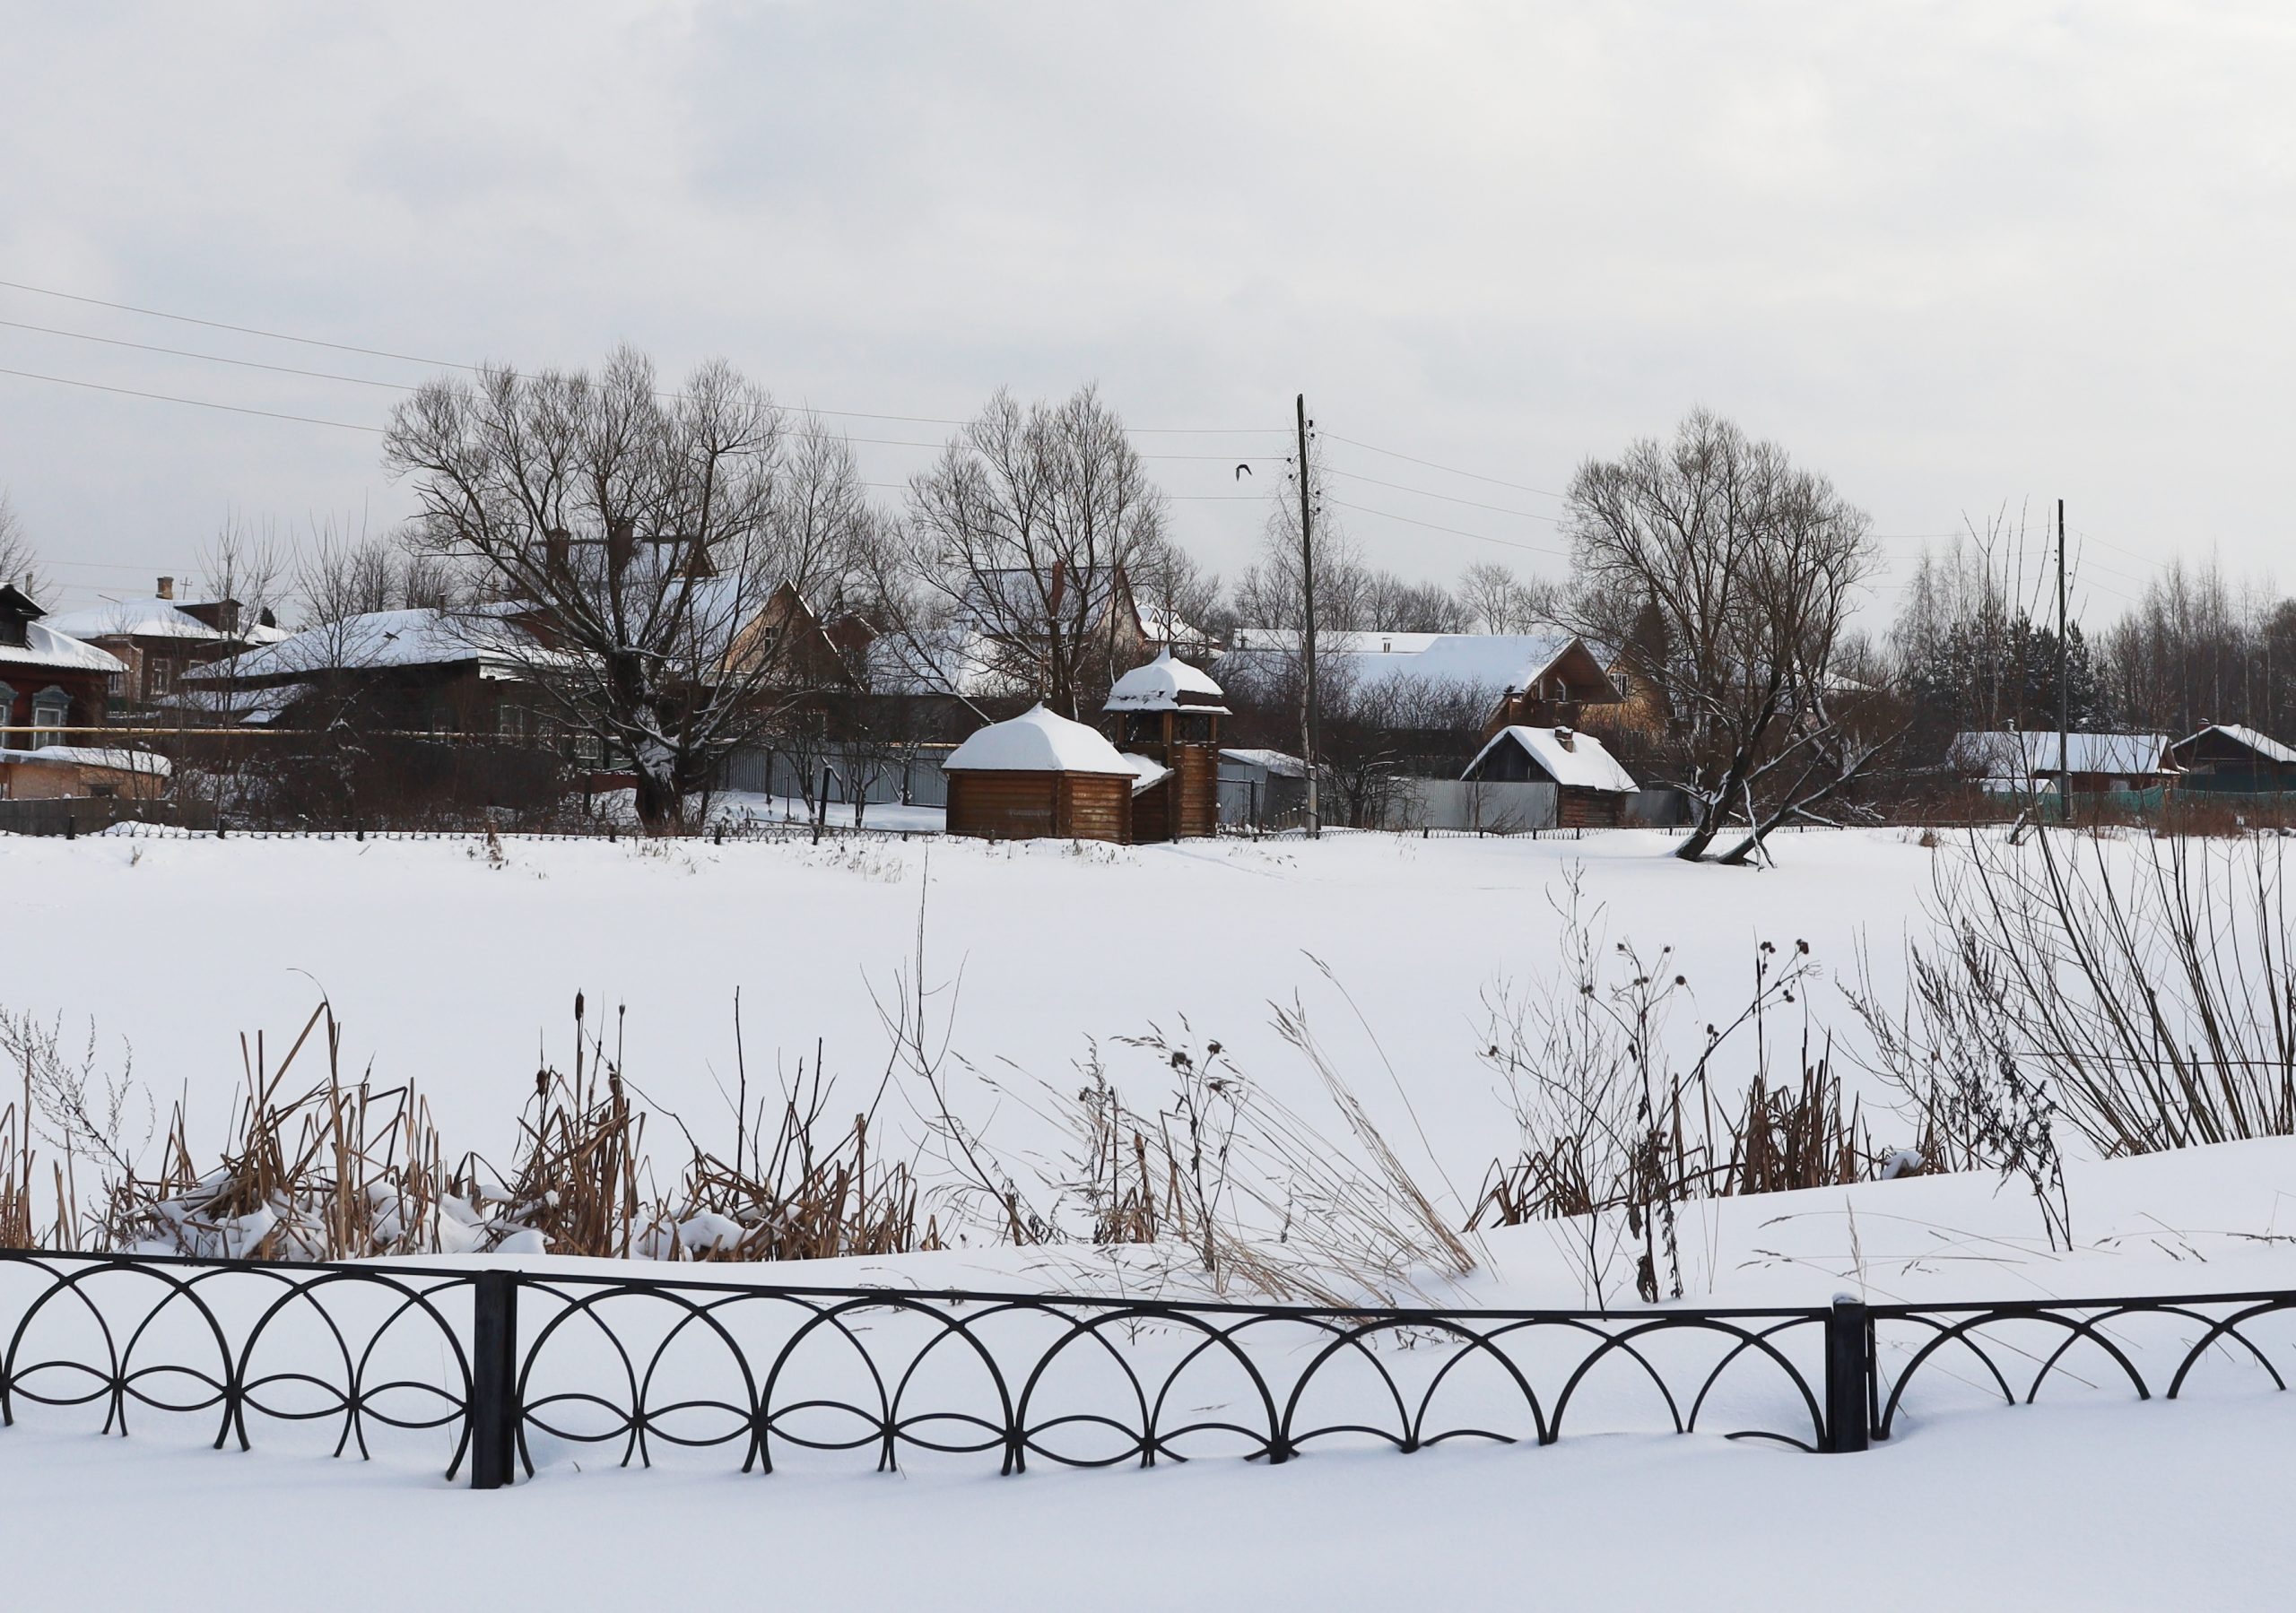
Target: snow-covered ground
column 458, row 971
column 2143, row 1507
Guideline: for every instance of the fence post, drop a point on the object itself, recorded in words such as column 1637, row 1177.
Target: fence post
column 493, row 1410
column 1849, row 1365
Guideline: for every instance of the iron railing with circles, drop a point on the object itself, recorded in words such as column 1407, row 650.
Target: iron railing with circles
column 493, row 1373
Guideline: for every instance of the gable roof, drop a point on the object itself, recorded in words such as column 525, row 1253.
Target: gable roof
column 2262, row 745
column 46, row 648
column 1581, row 763
column 138, row 619
column 376, row 640
column 2024, row 752
column 1490, row 663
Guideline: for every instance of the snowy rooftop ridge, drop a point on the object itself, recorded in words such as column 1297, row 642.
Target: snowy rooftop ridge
column 1581, row 763
column 376, row 639
column 1166, row 684
column 43, row 645
column 2262, row 745
column 117, row 759
column 1038, row 740
column 136, row 617
column 2014, row 751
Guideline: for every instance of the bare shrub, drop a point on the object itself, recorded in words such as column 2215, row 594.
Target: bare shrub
column 1613, row 1136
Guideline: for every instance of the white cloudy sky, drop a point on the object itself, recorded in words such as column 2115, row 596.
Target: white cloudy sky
column 1957, row 256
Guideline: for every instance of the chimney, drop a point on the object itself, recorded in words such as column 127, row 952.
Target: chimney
column 167, row 587
column 1563, row 737
column 558, row 546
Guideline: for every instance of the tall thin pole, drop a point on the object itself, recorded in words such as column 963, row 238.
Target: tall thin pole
column 2064, row 689
column 1308, row 715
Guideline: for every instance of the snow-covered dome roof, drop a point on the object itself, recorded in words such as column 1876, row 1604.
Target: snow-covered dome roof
column 1165, row 684
column 1037, row 741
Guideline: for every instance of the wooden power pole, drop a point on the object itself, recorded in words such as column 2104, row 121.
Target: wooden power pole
column 2063, row 687
column 1308, row 715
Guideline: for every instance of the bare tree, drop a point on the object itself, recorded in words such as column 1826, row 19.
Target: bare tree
column 1728, row 573
column 638, row 540
column 1018, row 567
column 19, row 564
column 1497, row 601
column 247, row 565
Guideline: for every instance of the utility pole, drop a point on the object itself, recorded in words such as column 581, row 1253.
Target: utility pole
column 2064, row 689
column 1308, row 715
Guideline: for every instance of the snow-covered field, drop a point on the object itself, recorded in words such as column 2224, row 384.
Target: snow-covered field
column 458, row 971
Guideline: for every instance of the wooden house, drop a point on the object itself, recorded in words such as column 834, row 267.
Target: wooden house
column 1168, row 713
column 155, row 640
column 1591, row 789
column 49, row 682
column 2019, row 762
column 1041, row 776
column 2227, row 757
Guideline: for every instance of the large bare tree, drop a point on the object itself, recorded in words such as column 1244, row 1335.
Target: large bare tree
column 1723, row 574
column 639, row 541
column 1022, row 547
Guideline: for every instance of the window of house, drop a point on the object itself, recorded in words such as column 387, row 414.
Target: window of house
column 51, row 710
column 158, row 677
column 7, row 716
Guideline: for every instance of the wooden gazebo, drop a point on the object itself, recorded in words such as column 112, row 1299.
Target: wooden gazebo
column 1039, row 777
column 1167, row 714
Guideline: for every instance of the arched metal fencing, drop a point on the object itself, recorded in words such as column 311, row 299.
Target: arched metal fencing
column 491, row 1373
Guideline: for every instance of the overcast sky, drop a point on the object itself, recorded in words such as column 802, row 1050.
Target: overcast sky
column 1956, row 256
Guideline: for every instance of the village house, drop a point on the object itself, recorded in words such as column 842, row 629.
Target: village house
column 49, row 682
column 420, row 671
column 2227, row 758
column 1591, row 788
column 2029, row 761
column 156, row 640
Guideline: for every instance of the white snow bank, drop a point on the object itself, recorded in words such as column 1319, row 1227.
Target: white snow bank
column 120, row 760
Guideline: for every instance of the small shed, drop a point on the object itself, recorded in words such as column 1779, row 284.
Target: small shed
column 1167, row 714
column 1039, row 777
column 1591, row 789
column 2230, row 758
column 83, row 772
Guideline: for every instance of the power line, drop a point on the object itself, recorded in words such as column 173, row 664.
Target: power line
column 1456, row 532
column 162, row 397
column 178, row 352
column 1447, row 497
column 377, row 352
column 1522, row 487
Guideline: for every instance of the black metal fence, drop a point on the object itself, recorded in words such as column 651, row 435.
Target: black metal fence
column 492, row 1371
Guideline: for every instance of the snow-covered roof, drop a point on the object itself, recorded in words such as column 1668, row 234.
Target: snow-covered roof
column 135, row 618
column 1579, row 761
column 1038, row 740
column 2031, row 750
column 1165, row 684
column 378, row 639
column 1148, row 772
column 1280, row 763
column 118, row 759
column 1491, row 663
column 2262, row 745
column 43, row 647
